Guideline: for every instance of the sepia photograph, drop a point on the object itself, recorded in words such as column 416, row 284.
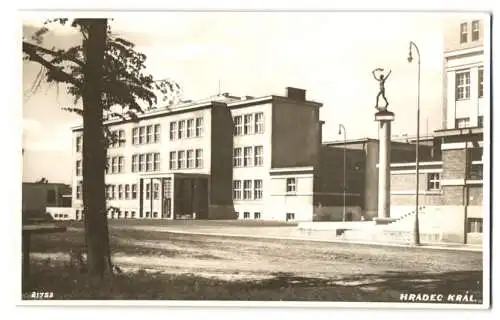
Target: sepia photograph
column 245, row 158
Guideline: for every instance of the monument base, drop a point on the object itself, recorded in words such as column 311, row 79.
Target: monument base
column 384, row 115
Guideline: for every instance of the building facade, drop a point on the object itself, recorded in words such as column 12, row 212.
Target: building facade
column 39, row 197
column 464, row 72
column 227, row 158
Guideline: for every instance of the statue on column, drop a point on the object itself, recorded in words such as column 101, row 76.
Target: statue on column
column 381, row 79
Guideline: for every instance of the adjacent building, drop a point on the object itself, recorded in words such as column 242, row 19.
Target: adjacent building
column 39, row 197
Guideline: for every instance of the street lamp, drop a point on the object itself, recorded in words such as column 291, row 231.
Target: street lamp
column 342, row 128
column 416, row 231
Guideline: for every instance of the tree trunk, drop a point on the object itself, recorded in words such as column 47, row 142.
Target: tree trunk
column 94, row 201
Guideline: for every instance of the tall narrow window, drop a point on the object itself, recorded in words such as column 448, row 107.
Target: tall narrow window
column 291, row 185
column 78, row 167
column 156, row 191
column 237, row 157
column 142, row 162
column 142, row 135
column 190, row 128
column 182, row 129
column 199, row 158
column 259, row 154
column 135, row 159
column 480, row 77
column 247, row 129
column 190, row 159
column 149, row 162
column 181, row 161
column 121, row 164
column 247, row 161
column 79, row 144
column 238, row 125
column 173, row 130
column 79, row 190
column 173, row 160
column 475, row 30
column 120, row 191
column 156, row 133
column 127, row 191
column 247, row 189
column 259, row 122
column 149, row 134
column 156, row 163
column 121, row 138
column 134, row 191
column 135, row 136
column 257, row 189
column 148, row 191
column 199, row 126
column 463, row 33
column 114, row 165
column 462, row 85
column 237, row 189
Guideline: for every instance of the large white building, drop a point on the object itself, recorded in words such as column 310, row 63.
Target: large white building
column 464, row 56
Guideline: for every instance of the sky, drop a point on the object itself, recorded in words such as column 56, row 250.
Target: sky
column 329, row 54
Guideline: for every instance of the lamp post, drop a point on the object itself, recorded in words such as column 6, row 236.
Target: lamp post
column 416, row 231
column 342, row 128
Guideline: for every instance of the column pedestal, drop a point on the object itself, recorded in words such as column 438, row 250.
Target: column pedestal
column 384, row 119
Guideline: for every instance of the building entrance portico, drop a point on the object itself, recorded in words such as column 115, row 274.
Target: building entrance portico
column 173, row 196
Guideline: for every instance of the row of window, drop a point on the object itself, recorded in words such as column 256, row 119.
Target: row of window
column 146, row 134
column 186, row 159
column 129, row 191
column 190, row 128
column 146, row 162
column 464, row 31
column 462, row 84
column 251, row 123
column 117, row 138
column 248, row 156
column 465, row 122
column 115, row 164
column 122, row 214
column 247, row 189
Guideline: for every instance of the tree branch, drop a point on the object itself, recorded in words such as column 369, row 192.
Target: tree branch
column 35, row 48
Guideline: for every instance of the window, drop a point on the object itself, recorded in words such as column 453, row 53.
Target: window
column 135, row 159
column 463, row 33
column 259, row 153
column 147, row 214
column 247, row 128
column 132, row 214
column 256, row 215
column 237, row 190
column 181, row 164
column 142, row 162
column 480, row 121
column 475, row 30
column 113, row 194
column 173, row 160
column 121, row 164
column 238, row 125
column 155, row 214
column 156, row 163
column 173, row 130
column 237, row 157
column 148, row 191
column 182, row 129
column 462, row 85
column 135, row 136
column 127, row 191
column 433, row 181
column 199, row 127
column 114, row 165
column 190, row 128
column 480, row 77
column 51, row 196
column 247, row 190
column 257, row 189
column 142, row 135
column 106, row 170
column 246, row 215
column 125, row 215
column 259, row 123
column 149, row 134
column 120, row 191
column 149, row 162
column 108, row 192
column 462, row 122
column 78, row 167
column 290, row 216
column 121, row 138
column 190, row 159
column 199, row 158
column 156, row 191
column 291, row 184
column 134, row 191
column 79, row 144
column 475, row 225
column 247, row 157
column 79, row 190
column 156, row 133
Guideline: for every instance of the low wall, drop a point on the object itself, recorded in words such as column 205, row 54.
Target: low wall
column 324, row 213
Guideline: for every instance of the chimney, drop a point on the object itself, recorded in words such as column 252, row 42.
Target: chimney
column 296, row 94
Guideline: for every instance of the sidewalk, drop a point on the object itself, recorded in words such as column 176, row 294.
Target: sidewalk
column 290, row 233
